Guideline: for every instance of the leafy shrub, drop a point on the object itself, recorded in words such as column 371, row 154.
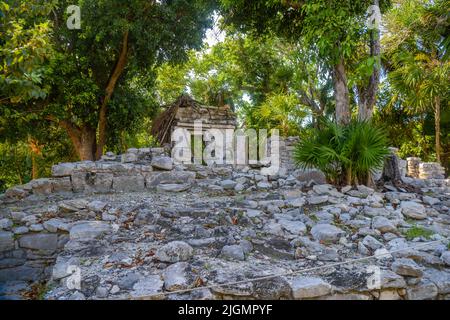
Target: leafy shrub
column 345, row 154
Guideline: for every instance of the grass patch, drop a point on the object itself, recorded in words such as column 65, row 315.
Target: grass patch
column 417, row 231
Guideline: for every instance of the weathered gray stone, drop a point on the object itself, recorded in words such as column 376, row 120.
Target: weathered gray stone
column 170, row 177
column 39, row 241
column 407, row 267
column 383, row 224
column 425, row 290
column 440, row 278
column 129, row 183
column 88, row 230
column 148, row 288
column 430, row 200
column 233, row 252
column 21, row 273
column 96, row 206
column 53, row 225
column 174, row 252
column 63, row 169
column 41, row 186
column 62, row 184
column 129, row 157
column 326, row 232
column 92, row 182
column 20, row 230
column 162, row 163
column 6, row 241
column 445, row 257
column 173, row 187
column 307, row 175
column 413, row 210
column 294, row 227
column 391, row 280
column 372, row 243
column 72, row 205
column 228, row 184
column 16, row 193
column 6, row 224
column 38, row 227
column 317, row 199
column 309, row 287
column 176, row 276
column 264, row 185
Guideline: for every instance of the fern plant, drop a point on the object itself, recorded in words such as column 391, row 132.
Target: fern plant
column 345, row 154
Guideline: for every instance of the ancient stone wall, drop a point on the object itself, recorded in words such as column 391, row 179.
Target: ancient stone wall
column 424, row 170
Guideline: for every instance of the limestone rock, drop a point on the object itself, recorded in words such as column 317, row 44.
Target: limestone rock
column 413, row 210
column 162, row 163
column 6, row 224
column 89, row 230
column 228, row 184
column 6, row 241
column 317, row 199
column 326, row 232
column 39, row 241
column 372, row 243
column 148, row 288
column 424, row 290
column 383, row 224
column 176, row 276
column 174, row 251
column 445, row 257
column 233, row 252
column 170, row 177
column 173, row 187
column 407, row 267
column 309, row 287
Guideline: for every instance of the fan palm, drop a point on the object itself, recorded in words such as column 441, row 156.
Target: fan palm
column 346, row 154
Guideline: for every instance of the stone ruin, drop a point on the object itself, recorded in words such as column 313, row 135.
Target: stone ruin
column 424, row 170
column 185, row 112
column 139, row 226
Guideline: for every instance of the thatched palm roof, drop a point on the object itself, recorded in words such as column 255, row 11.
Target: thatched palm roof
column 162, row 124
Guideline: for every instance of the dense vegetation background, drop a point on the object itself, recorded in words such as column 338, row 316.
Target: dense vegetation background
column 69, row 94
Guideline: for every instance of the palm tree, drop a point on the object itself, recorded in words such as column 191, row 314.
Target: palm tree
column 421, row 81
column 417, row 47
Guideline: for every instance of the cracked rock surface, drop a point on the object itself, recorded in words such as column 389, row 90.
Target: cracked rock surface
column 224, row 227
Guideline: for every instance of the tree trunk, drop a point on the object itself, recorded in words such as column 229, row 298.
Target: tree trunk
column 88, row 143
column 391, row 171
column 341, row 93
column 83, row 139
column 112, row 81
column 437, row 125
column 368, row 95
column 35, row 150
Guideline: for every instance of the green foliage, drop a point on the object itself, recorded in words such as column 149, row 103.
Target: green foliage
column 417, row 231
column 269, row 83
column 419, row 71
column 346, row 154
column 25, row 34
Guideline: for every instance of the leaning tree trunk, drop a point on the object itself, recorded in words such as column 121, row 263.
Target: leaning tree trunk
column 341, row 93
column 437, row 125
column 111, row 85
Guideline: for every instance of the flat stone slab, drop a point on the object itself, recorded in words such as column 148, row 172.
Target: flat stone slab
column 39, row 241
column 326, row 232
column 89, row 230
column 309, row 287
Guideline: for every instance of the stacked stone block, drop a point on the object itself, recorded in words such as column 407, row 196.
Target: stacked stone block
column 413, row 166
column 431, row 170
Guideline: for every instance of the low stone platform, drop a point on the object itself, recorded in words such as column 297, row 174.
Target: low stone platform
column 200, row 227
